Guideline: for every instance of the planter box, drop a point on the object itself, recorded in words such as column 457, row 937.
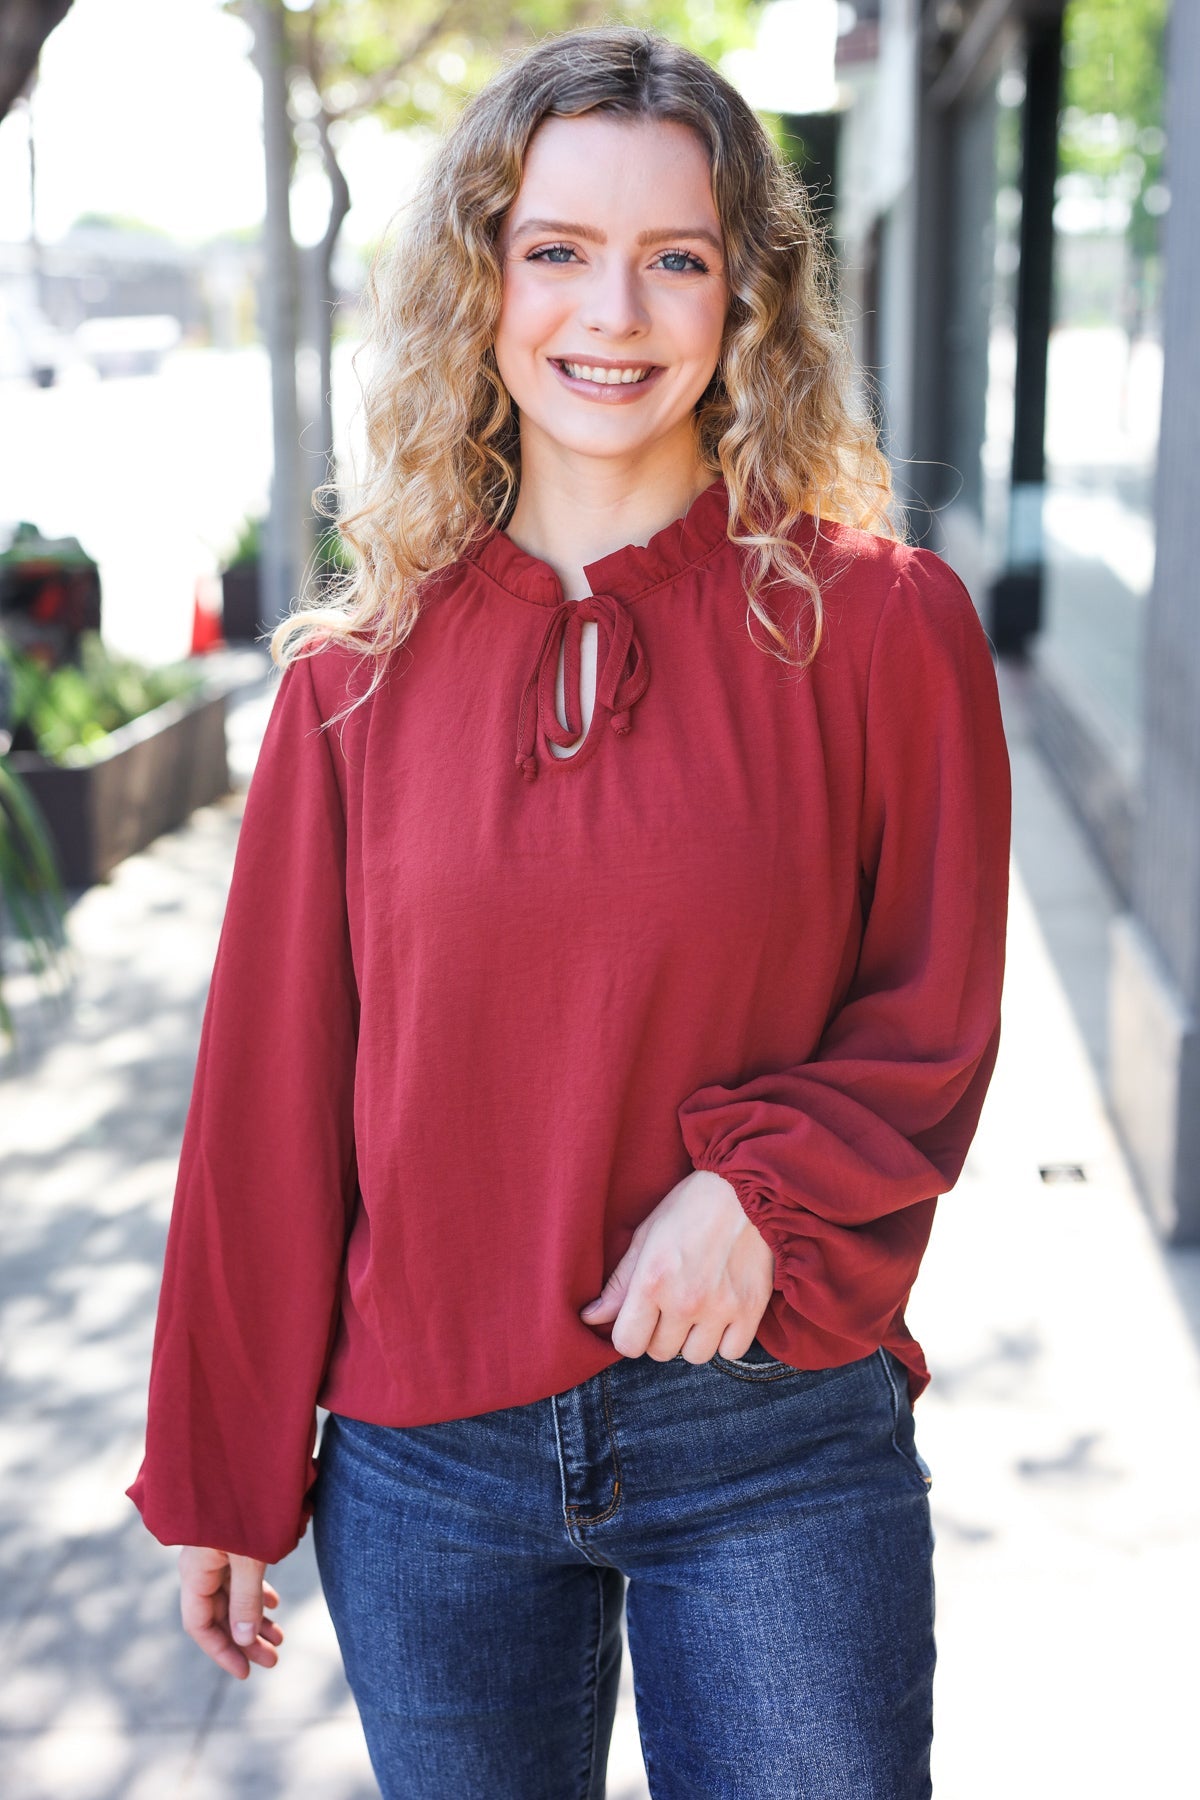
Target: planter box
column 239, row 604
column 144, row 779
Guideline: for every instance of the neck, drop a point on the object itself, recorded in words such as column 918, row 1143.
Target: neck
column 573, row 510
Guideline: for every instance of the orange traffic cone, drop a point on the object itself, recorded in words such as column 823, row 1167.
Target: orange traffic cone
column 206, row 617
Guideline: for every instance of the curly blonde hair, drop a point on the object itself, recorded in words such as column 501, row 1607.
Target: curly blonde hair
column 780, row 421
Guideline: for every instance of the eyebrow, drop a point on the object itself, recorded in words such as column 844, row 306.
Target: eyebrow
column 591, row 235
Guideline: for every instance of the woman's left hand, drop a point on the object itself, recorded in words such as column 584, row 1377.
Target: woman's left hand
column 696, row 1277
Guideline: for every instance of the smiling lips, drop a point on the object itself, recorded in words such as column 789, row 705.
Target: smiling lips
column 608, row 377
column 604, row 376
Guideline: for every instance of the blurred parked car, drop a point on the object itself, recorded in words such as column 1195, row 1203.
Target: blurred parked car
column 134, row 345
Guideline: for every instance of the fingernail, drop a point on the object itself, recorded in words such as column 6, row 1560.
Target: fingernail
column 244, row 1632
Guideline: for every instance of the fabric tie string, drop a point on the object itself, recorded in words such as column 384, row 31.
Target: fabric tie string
column 538, row 723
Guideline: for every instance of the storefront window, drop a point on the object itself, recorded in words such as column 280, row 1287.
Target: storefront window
column 1105, row 365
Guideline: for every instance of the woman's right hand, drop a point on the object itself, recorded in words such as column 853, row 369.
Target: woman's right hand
column 222, row 1599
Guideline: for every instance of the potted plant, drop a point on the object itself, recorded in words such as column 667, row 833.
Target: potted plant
column 240, row 587
column 113, row 753
column 31, row 894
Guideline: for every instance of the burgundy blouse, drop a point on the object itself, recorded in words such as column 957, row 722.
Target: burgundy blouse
column 476, row 1008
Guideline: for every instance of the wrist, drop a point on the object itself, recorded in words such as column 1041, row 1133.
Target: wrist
column 718, row 1184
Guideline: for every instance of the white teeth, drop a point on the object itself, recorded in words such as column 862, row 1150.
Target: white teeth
column 605, row 377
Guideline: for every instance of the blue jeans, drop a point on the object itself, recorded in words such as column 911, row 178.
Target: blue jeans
column 772, row 1525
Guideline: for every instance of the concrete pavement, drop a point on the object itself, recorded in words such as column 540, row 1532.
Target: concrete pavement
column 1062, row 1423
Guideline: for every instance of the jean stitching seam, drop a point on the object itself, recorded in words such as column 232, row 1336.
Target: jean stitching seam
column 576, row 1512
column 893, row 1395
column 894, row 1391
column 590, row 1776
column 640, row 1713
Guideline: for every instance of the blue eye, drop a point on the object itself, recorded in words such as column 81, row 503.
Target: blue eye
column 688, row 257
column 548, row 252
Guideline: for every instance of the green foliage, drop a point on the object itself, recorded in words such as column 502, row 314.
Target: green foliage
column 247, row 546
column 31, row 894
column 333, row 555
column 480, row 34
column 1113, row 58
column 69, row 710
column 123, row 222
column 413, row 63
column 1113, row 102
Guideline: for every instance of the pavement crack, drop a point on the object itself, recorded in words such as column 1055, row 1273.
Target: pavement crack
column 196, row 1748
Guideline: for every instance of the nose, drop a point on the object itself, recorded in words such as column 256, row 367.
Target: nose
column 613, row 303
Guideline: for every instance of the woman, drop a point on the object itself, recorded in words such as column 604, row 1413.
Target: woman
column 602, row 1006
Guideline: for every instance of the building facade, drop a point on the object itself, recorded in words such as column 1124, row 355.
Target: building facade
column 1018, row 227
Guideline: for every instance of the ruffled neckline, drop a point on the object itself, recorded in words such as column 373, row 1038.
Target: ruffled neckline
column 626, row 573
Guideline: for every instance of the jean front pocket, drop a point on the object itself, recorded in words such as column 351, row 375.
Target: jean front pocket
column 756, row 1365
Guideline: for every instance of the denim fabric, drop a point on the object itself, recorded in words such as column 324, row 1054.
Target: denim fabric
column 768, row 1529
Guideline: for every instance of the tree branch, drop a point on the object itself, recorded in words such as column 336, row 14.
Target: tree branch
column 376, row 86
column 339, row 187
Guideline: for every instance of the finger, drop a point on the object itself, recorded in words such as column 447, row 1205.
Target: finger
column 702, row 1343
column 635, row 1325
column 245, row 1598
column 599, row 1311
column 270, row 1597
column 218, row 1644
column 607, row 1303
column 265, row 1655
column 668, row 1338
column 199, row 1607
column 205, row 1621
column 203, row 1571
column 735, row 1341
column 214, row 1641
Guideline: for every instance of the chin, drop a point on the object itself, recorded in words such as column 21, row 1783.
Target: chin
column 589, row 443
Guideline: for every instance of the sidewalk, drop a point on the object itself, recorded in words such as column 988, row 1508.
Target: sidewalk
column 1062, row 1422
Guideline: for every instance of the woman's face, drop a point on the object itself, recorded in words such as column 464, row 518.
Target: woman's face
column 615, row 293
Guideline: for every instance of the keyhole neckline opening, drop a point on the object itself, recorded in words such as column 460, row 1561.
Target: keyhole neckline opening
column 622, row 677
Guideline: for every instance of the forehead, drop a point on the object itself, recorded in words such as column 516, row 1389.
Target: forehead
column 614, row 162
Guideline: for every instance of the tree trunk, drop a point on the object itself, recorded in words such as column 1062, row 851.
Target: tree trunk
column 339, row 206
column 320, row 302
column 286, row 541
column 24, row 27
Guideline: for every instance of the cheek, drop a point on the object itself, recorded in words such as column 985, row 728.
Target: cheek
column 716, row 315
column 703, row 352
column 527, row 311
column 698, row 326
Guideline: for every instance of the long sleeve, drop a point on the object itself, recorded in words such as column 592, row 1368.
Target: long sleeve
column 267, row 1175
column 839, row 1159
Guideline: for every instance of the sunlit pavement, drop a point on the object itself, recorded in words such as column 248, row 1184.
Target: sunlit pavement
column 1062, row 1423
column 1063, row 1419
